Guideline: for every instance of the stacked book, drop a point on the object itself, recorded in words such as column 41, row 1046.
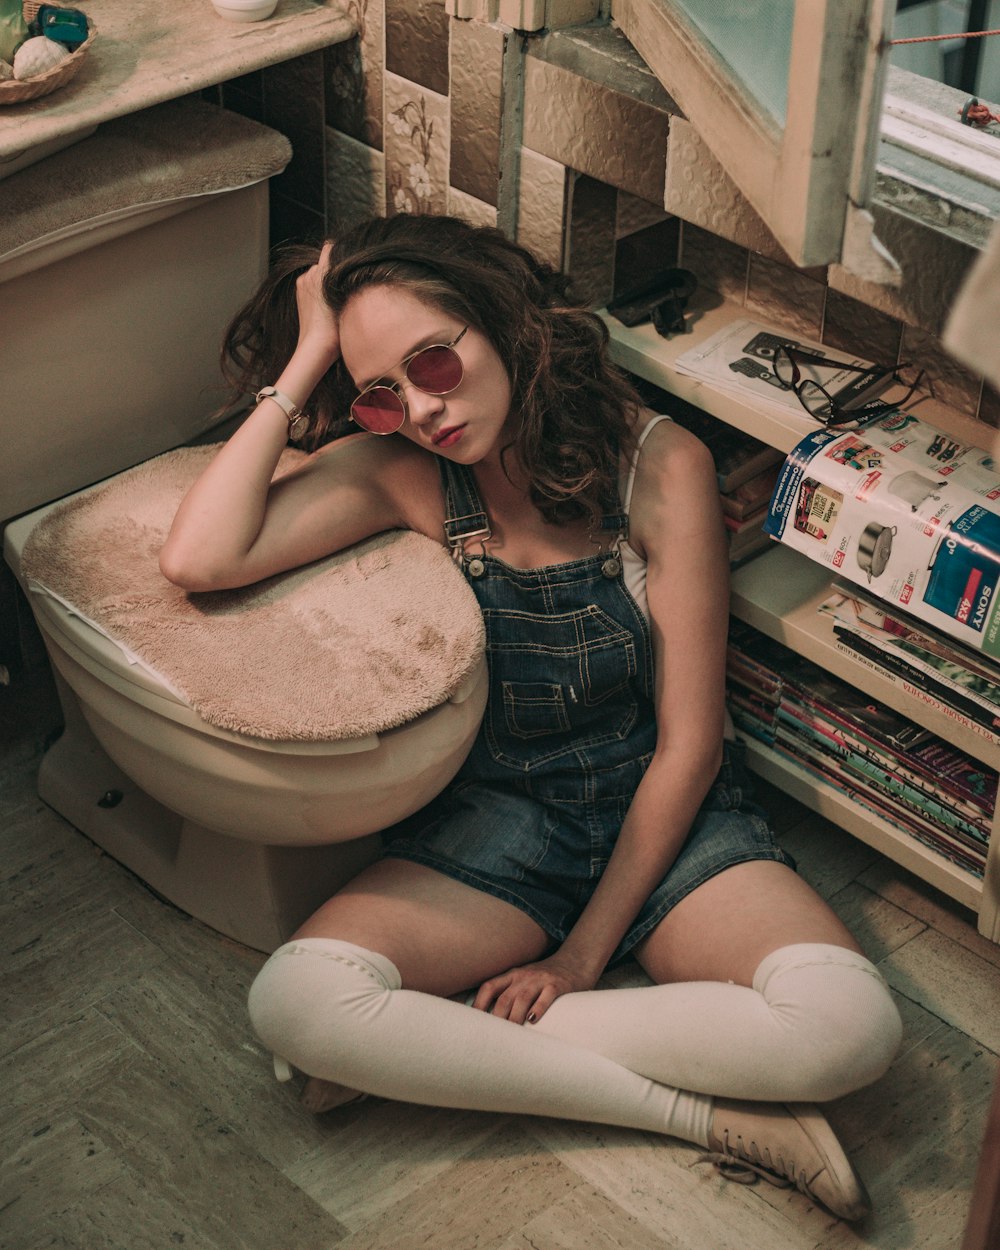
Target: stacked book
column 895, row 768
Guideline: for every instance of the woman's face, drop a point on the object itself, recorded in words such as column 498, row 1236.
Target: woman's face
column 382, row 325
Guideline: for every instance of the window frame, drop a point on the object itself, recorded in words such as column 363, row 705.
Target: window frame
column 824, row 157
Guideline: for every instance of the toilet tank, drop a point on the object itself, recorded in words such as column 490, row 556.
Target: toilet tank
column 122, row 260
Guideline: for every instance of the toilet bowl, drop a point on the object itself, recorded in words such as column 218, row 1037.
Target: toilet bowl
column 112, row 360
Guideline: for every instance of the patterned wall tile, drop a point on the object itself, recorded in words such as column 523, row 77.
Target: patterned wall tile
column 476, row 98
column 541, row 214
column 785, row 295
column 933, row 267
column 416, row 148
column 635, row 214
column 853, row 327
column 293, row 105
column 475, row 212
column 355, row 181
column 353, row 72
column 623, row 141
column 699, row 190
column 416, row 42
column 718, row 265
column 951, row 383
column 590, row 245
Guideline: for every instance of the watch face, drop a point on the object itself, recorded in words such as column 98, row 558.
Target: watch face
column 298, row 427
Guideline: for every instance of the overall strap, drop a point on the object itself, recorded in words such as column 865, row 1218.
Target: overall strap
column 465, row 516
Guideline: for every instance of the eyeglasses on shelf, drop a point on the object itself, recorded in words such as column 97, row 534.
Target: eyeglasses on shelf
column 833, row 409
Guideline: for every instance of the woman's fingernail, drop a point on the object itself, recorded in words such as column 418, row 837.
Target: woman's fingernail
column 532, row 1017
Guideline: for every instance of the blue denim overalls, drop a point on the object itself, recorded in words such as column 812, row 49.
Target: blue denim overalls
column 569, row 730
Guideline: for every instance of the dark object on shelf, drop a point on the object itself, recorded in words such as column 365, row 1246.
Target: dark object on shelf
column 665, row 303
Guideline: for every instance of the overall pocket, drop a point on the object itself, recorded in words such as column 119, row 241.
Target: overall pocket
column 557, row 683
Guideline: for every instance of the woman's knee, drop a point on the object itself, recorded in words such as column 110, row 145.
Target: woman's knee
column 311, row 1002
column 843, row 1028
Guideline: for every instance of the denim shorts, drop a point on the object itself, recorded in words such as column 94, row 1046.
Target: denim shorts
column 546, row 856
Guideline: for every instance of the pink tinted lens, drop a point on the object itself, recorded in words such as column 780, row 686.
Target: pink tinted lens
column 379, row 410
column 436, row 370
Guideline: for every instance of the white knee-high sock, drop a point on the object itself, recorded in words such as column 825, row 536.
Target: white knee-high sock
column 337, row 1011
column 818, row 1023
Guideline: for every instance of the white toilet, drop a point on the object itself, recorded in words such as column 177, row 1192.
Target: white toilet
column 108, row 357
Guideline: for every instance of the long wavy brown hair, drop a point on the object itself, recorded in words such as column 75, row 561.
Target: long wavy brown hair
column 575, row 409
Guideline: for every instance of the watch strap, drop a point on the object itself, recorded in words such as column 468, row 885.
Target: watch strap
column 297, row 419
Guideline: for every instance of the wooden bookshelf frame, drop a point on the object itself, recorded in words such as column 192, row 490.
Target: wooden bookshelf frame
column 779, row 593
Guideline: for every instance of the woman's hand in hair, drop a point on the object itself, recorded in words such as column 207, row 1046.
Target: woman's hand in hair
column 318, row 330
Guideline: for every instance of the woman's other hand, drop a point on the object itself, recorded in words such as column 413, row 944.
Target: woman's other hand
column 318, row 329
column 523, row 995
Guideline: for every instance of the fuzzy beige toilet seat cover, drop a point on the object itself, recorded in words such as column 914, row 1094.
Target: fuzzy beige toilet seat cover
column 355, row 644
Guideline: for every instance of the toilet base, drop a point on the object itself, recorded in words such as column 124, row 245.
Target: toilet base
column 254, row 893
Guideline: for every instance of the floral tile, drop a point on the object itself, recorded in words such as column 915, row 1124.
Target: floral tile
column 416, row 148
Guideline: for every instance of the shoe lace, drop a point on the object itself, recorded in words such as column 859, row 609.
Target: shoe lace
column 745, row 1163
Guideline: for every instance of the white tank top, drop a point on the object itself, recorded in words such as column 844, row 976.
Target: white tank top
column 633, row 565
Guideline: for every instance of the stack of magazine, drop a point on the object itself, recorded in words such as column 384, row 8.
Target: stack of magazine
column 895, row 768
column 929, row 665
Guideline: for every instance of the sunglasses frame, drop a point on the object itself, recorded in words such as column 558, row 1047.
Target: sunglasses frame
column 396, row 387
column 839, row 415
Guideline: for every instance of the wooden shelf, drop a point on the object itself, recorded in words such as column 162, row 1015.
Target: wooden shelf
column 779, row 593
column 640, row 350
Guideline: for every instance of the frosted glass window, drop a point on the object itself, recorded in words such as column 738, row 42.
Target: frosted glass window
column 754, row 38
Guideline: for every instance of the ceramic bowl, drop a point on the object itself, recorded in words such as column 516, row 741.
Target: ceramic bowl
column 244, row 10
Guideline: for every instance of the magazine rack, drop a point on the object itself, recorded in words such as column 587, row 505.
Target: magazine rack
column 779, row 593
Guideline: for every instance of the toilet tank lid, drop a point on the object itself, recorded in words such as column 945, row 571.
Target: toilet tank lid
column 180, row 150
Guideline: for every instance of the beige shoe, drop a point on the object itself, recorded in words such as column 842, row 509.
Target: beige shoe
column 786, row 1144
column 319, row 1096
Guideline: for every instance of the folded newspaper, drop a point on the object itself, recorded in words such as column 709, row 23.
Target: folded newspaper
column 738, row 359
column 902, row 508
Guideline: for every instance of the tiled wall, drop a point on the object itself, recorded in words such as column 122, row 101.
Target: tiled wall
column 423, row 112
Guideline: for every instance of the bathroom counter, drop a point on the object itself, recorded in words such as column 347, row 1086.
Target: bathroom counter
column 147, row 52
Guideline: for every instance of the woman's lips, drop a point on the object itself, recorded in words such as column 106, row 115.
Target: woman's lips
column 448, row 436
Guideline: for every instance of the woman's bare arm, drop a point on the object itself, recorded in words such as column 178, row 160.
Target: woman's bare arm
column 235, row 527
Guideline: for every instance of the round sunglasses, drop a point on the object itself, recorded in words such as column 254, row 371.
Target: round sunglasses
column 435, row 370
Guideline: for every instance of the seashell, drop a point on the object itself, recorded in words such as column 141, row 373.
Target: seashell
column 35, row 56
column 6, row 71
